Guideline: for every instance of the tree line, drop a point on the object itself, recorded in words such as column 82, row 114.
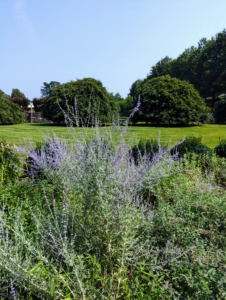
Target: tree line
column 203, row 67
column 189, row 89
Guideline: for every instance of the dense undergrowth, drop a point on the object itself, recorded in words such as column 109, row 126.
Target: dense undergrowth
column 88, row 220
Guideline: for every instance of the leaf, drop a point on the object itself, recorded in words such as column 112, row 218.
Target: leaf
column 35, row 268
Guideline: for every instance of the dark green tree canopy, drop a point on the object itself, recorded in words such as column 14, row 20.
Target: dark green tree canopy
column 167, row 100
column 163, row 67
column 38, row 103
column 47, row 87
column 136, row 88
column 85, row 98
column 10, row 113
column 17, row 93
column 19, row 98
column 220, row 111
column 204, row 66
column 117, row 97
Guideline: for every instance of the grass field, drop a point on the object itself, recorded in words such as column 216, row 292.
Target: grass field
column 210, row 133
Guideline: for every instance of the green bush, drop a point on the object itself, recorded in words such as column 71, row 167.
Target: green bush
column 193, row 147
column 220, row 149
column 220, row 111
column 87, row 96
column 192, row 144
column 166, row 100
column 10, row 113
column 9, row 163
column 146, row 148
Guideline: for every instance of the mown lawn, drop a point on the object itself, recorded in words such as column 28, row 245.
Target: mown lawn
column 211, row 133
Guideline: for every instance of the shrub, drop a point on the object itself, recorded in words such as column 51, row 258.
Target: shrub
column 220, row 149
column 147, row 148
column 87, row 98
column 9, row 163
column 87, row 232
column 87, row 224
column 10, row 113
column 192, row 144
column 167, row 100
column 45, row 156
column 97, row 238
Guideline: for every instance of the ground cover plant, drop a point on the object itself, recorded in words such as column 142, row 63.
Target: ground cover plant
column 85, row 219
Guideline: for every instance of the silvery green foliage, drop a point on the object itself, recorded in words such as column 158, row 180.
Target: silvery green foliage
column 101, row 211
column 96, row 166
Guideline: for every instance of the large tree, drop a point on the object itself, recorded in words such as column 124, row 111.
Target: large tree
column 220, row 111
column 166, row 100
column 19, row 98
column 38, row 103
column 162, row 67
column 204, row 66
column 87, row 99
column 10, row 113
column 17, row 93
column 47, row 87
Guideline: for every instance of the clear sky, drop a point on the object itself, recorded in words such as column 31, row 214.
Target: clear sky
column 115, row 41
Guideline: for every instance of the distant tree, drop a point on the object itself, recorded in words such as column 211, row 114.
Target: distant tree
column 220, row 111
column 162, row 67
column 47, row 87
column 117, row 97
column 38, row 103
column 186, row 67
column 167, row 100
column 136, row 88
column 120, row 103
column 132, row 100
column 203, row 66
column 87, row 97
column 17, row 93
column 21, row 102
column 212, row 66
column 10, row 113
column 19, row 98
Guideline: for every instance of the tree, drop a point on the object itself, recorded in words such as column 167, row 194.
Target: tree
column 19, row 98
column 85, row 98
column 212, row 63
column 203, row 66
column 47, row 87
column 10, row 113
column 117, row 97
column 136, row 88
column 220, row 111
column 17, row 93
column 166, row 100
column 163, row 67
column 38, row 103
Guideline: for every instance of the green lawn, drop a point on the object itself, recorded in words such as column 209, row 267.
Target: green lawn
column 211, row 133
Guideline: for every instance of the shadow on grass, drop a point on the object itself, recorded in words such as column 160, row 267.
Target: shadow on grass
column 166, row 126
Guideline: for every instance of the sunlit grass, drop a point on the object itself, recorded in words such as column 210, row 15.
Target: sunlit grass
column 211, row 133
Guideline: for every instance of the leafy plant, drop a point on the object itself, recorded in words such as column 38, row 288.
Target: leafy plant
column 9, row 163
column 88, row 227
column 10, row 113
column 170, row 101
column 220, row 149
column 145, row 147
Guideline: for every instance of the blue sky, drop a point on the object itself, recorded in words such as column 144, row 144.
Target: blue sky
column 115, row 41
